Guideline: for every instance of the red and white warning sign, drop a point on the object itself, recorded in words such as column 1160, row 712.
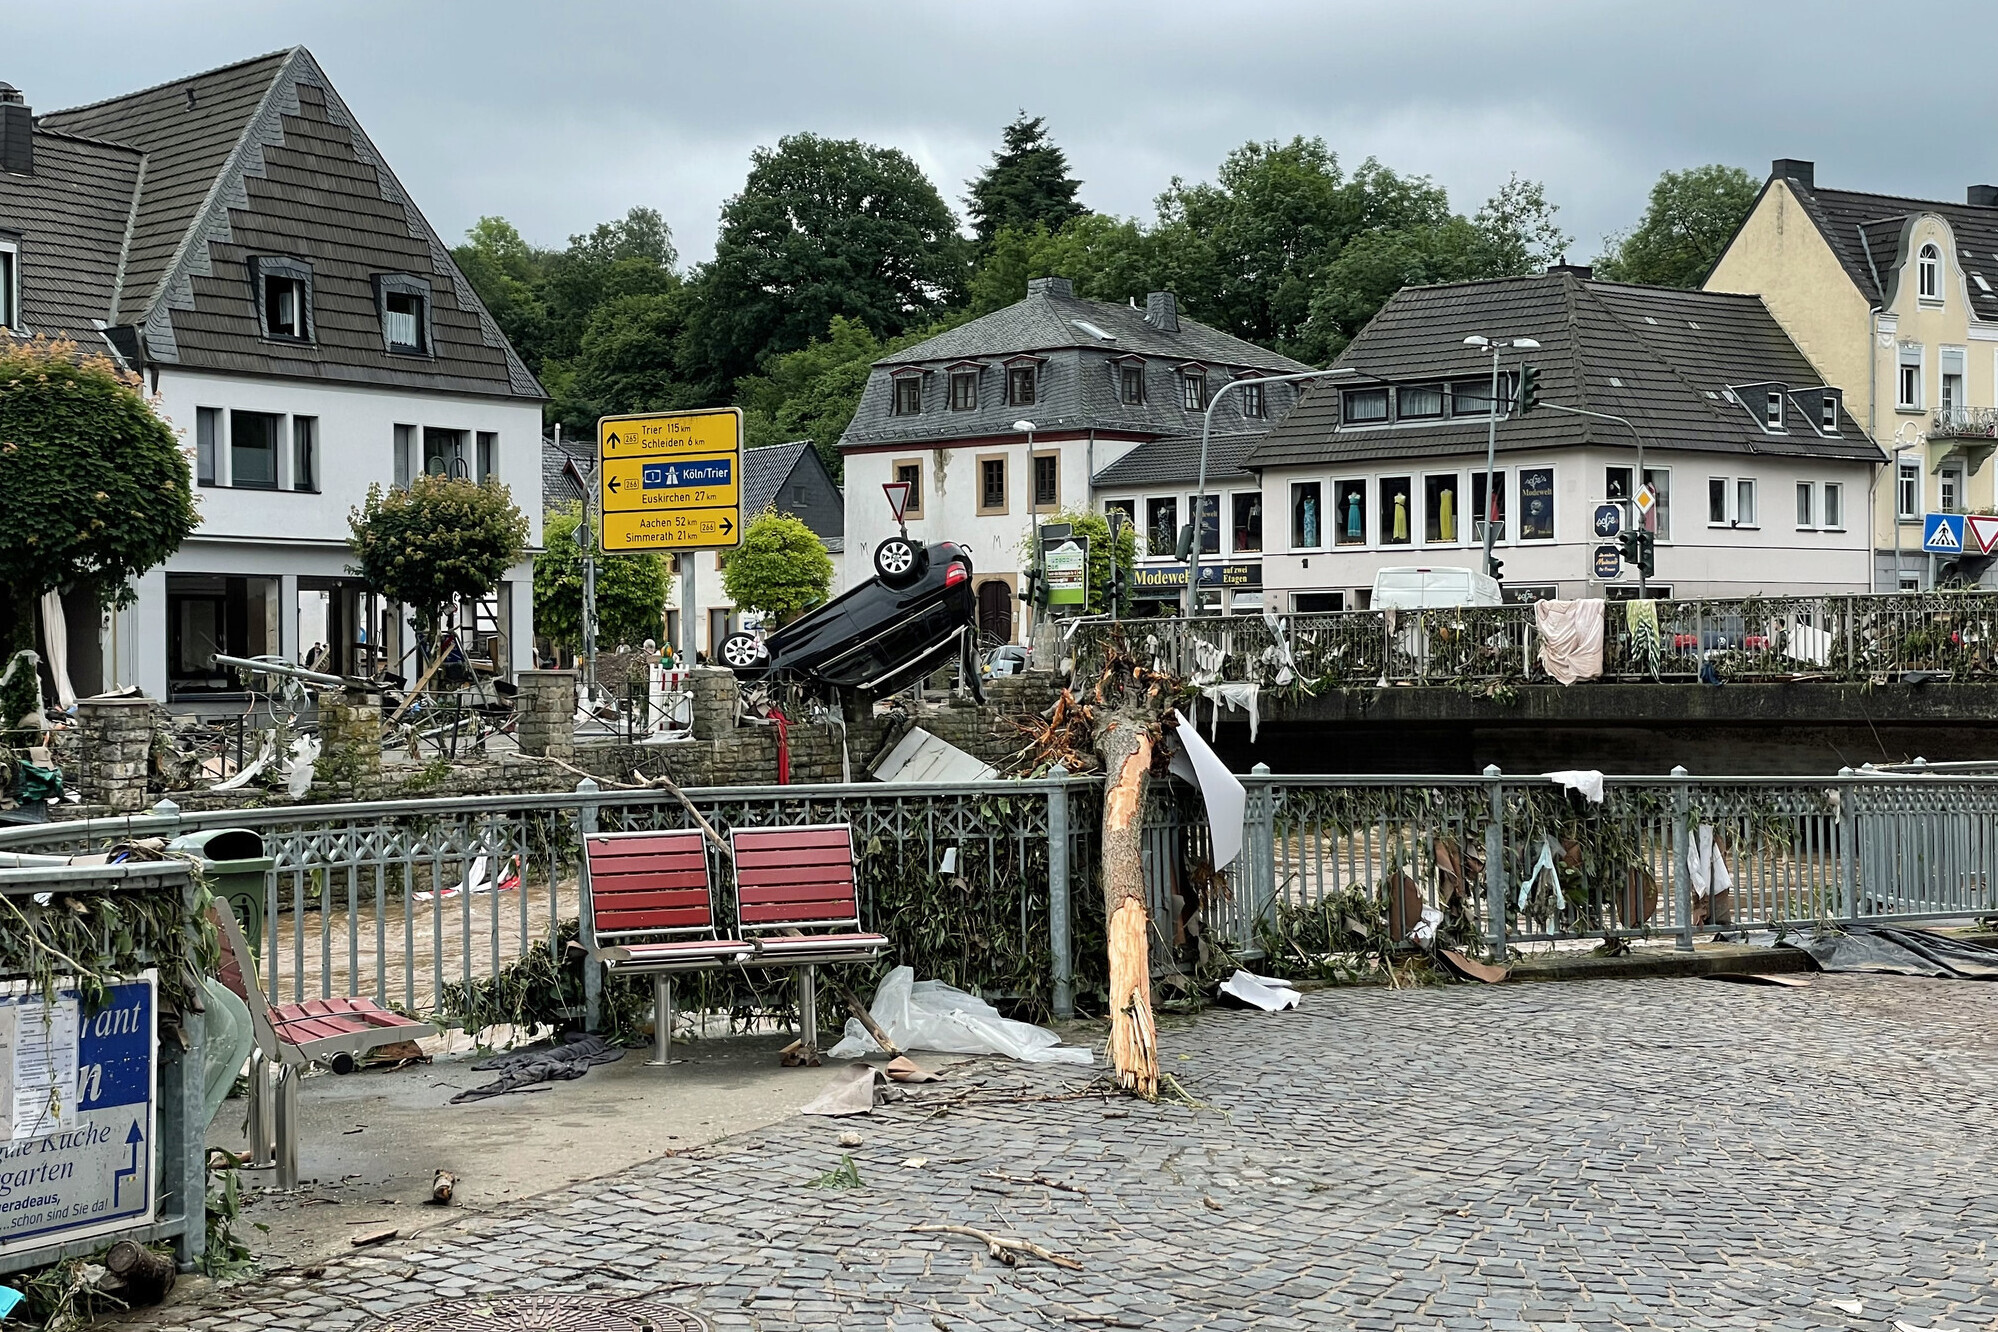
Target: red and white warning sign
column 1981, row 529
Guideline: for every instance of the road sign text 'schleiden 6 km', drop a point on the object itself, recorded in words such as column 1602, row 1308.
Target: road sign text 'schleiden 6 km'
column 670, row 480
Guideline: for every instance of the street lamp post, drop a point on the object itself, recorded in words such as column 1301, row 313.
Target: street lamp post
column 1191, row 604
column 1643, row 592
column 1496, row 346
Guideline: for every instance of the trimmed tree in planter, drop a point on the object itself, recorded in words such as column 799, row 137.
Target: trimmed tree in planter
column 94, row 487
column 781, row 568
column 437, row 540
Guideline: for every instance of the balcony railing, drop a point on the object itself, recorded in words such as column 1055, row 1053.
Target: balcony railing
column 1964, row 423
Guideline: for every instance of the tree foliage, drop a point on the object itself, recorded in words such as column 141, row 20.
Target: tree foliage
column 1692, row 216
column 435, row 541
column 1027, row 185
column 1095, row 526
column 823, row 227
column 781, row 568
column 1105, row 258
column 632, row 590
column 94, row 486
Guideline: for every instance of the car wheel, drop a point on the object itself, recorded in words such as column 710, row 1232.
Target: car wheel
column 899, row 561
column 740, row 652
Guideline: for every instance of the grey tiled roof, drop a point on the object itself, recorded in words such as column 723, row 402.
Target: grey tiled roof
column 1175, row 459
column 1076, row 377
column 256, row 158
column 556, row 488
column 71, row 215
column 1660, row 356
column 765, row 470
column 1866, row 232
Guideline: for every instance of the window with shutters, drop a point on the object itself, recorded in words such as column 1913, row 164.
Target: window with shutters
column 1908, row 382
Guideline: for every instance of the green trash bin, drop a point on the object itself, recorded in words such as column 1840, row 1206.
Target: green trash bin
column 237, row 870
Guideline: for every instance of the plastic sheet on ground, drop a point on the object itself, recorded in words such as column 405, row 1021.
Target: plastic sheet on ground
column 1901, row 952
column 1265, row 992
column 930, row 1015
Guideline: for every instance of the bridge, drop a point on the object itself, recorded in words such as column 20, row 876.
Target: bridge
column 1766, row 684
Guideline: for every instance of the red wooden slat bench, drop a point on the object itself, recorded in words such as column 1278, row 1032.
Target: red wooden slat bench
column 796, row 901
column 289, row 1036
column 652, row 911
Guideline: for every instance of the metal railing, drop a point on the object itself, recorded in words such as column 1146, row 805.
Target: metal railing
column 1964, row 423
column 1848, row 639
column 398, row 900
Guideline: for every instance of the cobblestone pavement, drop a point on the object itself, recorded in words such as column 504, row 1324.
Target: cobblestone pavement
column 1679, row 1153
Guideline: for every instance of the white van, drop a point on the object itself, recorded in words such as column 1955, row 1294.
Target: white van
column 1410, row 588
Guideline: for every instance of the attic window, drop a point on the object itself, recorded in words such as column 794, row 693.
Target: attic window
column 1828, row 417
column 1982, row 285
column 10, row 285
column 403, row 302
column 1615, row 382
column 1193, row 390
column 1772, row 414
column 908, row 395
column 284, row 298
column 1131, row 384
column 1093, row 331
column 1020, row 385
column 1253, row 403
column 963, row 390
column 1928, row 274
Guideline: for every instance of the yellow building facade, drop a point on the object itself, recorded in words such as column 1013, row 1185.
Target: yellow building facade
column 1896, row 302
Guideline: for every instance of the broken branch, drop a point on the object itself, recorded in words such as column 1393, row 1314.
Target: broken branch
column 1006, row 1248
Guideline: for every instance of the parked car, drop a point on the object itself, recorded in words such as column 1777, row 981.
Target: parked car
column 1006, row 659
column 888, row 632
column 1410, row 588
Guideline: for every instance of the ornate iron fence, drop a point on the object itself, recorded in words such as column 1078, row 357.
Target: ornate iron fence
column 1850, row 639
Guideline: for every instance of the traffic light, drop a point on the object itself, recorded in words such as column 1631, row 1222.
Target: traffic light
column 1494, row 569
column 1527, row 396
column 1186, row 543
column 1114, row 594
column 1645, row 565
column 1635, row 545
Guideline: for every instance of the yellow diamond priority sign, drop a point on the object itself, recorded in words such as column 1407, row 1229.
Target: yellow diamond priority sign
column 670, row 480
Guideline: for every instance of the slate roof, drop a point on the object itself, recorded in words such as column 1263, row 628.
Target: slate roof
column 1866, row 232
column 1175, row 460
column 258, row 158
column 1077, row 384
column 1660, row 356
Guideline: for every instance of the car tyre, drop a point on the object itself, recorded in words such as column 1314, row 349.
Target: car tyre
column 899, row 561
column 742, row 652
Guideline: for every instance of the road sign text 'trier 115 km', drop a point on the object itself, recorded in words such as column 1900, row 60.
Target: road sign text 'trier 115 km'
column 670, row 480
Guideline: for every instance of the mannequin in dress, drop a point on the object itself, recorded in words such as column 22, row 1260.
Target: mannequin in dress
column 1355, row 524
column 1446, row 515
column 1400, row 517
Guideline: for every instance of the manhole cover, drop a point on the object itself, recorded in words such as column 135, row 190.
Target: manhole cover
column 542, row 1313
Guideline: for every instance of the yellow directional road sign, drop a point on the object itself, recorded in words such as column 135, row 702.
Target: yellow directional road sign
column 670, row 481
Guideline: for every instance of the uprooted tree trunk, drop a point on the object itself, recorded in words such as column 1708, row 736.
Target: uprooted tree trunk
column 1125, row 742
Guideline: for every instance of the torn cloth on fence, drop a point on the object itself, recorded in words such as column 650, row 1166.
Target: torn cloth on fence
column 1571, row 638
column 1240, row 695
column 519, row 1069
column 1543, row 867
column 1278, row 653
column 1586, row 780
column 1220, row 790
column 1207, row 661
column 1705, row 865
column 1640, row 617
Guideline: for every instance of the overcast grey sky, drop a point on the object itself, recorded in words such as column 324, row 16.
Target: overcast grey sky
column 559, row 116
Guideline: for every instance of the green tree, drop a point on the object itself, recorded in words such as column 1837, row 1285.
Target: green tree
column 508, row 275
column 437, row 540
column 94, row 486
column 822, row 227
column 1027, row 184
column 1106, row 258
column 1692, row 216
column 626, row 361
column 632, row 590
column 781, row 568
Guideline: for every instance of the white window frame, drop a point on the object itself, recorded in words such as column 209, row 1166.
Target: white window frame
column 1908, row 481
column 1807, row 506
column 1326, row 490
column 1828, row 414
column 10, row 285
column 1928, row 273
column 1733, row 490
column 1772, row 411
column 1826, row 521
column 1905, row 402
column 1950, row 487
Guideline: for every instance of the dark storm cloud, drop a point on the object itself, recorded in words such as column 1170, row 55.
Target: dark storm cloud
column 558, row 116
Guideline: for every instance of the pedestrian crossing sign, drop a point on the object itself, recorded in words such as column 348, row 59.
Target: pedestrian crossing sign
column 1942, row 533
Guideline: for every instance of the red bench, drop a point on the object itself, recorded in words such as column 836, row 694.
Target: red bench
column 652, row 911
column 334, row 1032
column 797, row 905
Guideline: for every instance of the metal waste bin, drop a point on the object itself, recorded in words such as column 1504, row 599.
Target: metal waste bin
column 237, row 871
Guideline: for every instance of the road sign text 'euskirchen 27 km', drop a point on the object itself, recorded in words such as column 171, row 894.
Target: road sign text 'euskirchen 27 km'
column 670, row 480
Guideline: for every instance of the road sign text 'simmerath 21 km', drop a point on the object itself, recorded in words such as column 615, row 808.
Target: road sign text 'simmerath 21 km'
column 670, row 480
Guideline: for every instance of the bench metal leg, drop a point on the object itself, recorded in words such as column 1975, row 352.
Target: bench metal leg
column 287, row 1126
column 808, row 1008
column 662, row 1021
column 261, row 1131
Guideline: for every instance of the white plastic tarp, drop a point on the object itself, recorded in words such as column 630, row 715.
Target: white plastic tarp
column 1219, row 788
column 930, row 1015
column 1268, row 993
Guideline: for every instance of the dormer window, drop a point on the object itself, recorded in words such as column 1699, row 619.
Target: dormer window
column 1772, row 414
column 1193, row 390
column 964, row 390
column 1131, row 384
column 1828, row 413
column 1253, row 402
column 1366, row 405
column 1928, row 273
column 10, row 285
column 284, row 298
column 403, row 302
column 909, row 395
column 1420, row 400
column 1020, row 386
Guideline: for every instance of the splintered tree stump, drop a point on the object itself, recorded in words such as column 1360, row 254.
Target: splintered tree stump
column 143, row 1277
column 1126, row 746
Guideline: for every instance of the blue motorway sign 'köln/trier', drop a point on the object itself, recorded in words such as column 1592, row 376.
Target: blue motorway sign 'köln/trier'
column 78, row 1099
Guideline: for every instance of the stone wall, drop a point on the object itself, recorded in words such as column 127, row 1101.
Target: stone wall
column 114, row 751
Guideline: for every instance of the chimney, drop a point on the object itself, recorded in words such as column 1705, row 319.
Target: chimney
column 1581, row 271
column 1982, row 196
column 1050, row 286
column 1162, row 311
column 17, row 132
column 1795, row 168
